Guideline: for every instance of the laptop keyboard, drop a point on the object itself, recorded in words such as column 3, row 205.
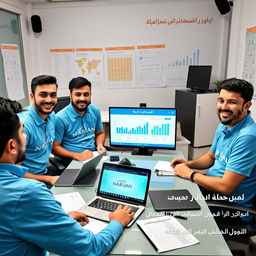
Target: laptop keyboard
column 108, row 205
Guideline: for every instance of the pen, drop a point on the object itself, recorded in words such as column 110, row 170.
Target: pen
column 175, row 215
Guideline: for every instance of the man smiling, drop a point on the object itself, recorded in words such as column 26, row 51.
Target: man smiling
column 79, row 129
column 39, row 127
column 232, row 157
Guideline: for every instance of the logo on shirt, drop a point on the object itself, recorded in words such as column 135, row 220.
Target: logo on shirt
column 46, row 143
column 221, row 156
column 83, row 132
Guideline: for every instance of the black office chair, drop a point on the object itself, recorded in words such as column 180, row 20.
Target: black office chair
column 248, row 230
column 62, row 103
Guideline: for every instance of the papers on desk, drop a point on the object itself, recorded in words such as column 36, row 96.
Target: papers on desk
column 95, row 153
column 72, row 202
column 166, row 233
column 163, row 168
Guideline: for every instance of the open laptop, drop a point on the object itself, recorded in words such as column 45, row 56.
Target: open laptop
column 119, row 184
column 86, row 176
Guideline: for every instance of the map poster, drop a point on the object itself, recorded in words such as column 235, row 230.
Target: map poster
column 150, row 66
column 249, row 71
column 89, row 64
column 119, row 66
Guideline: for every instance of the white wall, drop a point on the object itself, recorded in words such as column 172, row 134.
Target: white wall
column 243, row 17
column 122, row 23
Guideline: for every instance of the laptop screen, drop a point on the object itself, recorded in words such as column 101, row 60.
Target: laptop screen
column 124, row 183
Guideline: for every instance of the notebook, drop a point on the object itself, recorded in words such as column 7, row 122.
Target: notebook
column 119, row 184
column 172, row 200
column 86, row 176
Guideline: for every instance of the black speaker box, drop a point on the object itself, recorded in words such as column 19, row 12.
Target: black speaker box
column 36, row 23
column 223, row 6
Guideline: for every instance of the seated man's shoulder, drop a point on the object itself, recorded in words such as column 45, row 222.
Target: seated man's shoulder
column 25, row 116
column 63, row 113
column 94, row 108
column 249, row 130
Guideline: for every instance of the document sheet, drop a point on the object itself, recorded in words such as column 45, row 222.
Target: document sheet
column 163, row 168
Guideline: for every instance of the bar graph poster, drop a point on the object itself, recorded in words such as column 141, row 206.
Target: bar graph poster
column 119, row 67
column 144, row 127
column 177, row 68
column 249, row 71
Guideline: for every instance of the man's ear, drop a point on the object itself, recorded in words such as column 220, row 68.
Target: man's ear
column 11, row 146
column 31, row 95
column 248, row 104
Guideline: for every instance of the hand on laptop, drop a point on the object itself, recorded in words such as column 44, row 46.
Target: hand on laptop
column 85, row 155
column 122, row 214
column 79, row 217
column 101, row 149
column 51, row 179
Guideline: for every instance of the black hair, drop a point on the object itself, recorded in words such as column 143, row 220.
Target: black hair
column 78, row 82
column 43, row 79
column 238, row 85
column 10, row 123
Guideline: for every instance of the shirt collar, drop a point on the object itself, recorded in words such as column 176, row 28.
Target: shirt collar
column 17, row 170
column 38, row 120
column 239, row 125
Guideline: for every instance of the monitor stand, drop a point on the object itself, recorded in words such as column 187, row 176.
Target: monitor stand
column 142, row 151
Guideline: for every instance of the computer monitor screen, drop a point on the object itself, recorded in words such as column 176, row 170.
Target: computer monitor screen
column 143, row 128
column 199, row 77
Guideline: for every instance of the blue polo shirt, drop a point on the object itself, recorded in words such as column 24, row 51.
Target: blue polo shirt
column 32, row 222
column 39, row 140
column 235, row 150
column 75, row 131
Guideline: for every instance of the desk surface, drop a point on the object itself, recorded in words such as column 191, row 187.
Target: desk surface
column 199, row 222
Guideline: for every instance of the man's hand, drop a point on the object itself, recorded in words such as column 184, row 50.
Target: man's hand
column 122, row 214
column 79, row 217
column 183, row 171
column 51, row 179
column 85, row 155
column 176, row 161
column 101, row 148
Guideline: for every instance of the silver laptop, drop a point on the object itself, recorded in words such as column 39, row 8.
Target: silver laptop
column 86, row 176
column 119, row 184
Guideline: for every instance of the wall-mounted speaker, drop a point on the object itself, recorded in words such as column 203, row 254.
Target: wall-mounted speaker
column 223, row 6
column 36, row 23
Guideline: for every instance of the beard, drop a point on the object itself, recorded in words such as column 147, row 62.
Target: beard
column 20, row 157
column 40, row 109
column 231, row 118
column 75, row 105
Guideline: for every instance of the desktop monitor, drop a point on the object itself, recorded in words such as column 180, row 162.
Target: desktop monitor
column 142, row 128
column 62, row 103
column 199, row 78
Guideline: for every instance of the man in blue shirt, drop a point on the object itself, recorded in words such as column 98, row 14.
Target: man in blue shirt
column 39, row 126
column 79, row 129
column 32, row 222
column 232, row 157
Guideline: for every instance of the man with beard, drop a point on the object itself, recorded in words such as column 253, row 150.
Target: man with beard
column 39, row 127
column 79, row 129
column 232, row 157
column 32, row 222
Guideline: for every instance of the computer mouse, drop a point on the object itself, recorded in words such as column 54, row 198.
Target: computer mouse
column 126, row 161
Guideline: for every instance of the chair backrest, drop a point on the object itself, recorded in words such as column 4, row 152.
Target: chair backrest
column 62, row 103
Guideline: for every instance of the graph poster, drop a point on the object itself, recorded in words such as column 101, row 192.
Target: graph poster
column 177, row 69
column 249, row 71
column 150, row 66
column 119, row 66
column 12, row 71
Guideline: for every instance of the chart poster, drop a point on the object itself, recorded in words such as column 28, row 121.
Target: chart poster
column 63, row 66
column 89, row 64
column 150, row 65
column 249, row 71
column 12, row 71
column 119, row 67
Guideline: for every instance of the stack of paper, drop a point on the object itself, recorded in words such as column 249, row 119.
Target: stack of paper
column 163, row 168
column 166, row 233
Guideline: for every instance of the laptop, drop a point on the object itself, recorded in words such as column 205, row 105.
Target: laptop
column 86, row 176
column 173, row 200
column 119, row 184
